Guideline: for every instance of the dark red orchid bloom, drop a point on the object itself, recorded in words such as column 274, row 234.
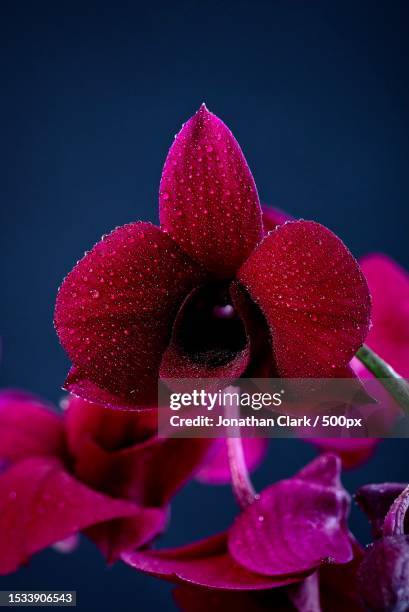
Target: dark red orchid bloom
column 211, row 293
column 384, row 571
column 92, row 470
column 287, row 534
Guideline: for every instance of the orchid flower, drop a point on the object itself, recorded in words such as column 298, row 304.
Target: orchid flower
column 211, row 293
column 92, row 470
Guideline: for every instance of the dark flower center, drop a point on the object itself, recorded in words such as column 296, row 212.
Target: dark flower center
column 210, row 330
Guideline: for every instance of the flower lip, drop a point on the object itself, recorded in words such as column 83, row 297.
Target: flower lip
column 209, row 329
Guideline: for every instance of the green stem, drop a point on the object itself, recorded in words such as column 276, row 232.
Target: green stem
column 393, row 383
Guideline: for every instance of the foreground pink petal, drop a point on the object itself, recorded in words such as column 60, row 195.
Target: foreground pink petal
column 208, row 198
column 41, row 504
column 216, row 469
column 389, row 286
column 295, row 524
column 115, row 310
column 205, row 563
column 313, row 295
column 28, row 427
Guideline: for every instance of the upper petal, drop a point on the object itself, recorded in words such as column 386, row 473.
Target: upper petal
column 41, row 504
column 389, row 286
column 313, row 295
column 28, row 427
column 208, row 198
column 115, row 310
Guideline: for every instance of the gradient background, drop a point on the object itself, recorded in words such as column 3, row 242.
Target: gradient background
column 317, row 94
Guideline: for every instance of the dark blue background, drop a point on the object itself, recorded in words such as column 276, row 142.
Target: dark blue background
column 92, row 93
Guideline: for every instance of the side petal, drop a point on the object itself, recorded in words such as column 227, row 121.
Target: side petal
column 41, row 504
column 28, row 427
column 208, row 198
column 205, row 563
column 216, row 469
column 115, row 310
column 313, row 295
column 389, row 286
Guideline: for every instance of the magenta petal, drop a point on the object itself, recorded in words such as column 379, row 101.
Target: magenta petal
column 313, row 295
column 216, row 469
column 115, row 310
column 389, row 286
column 208, row 198
column 294, row 525
column 384, row 575
column 205, row 563
column 375, row 500
column 41, row 504
column 28, row 427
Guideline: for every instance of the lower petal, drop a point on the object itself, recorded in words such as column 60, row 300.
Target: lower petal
column 40, row 504
column 205, row 563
